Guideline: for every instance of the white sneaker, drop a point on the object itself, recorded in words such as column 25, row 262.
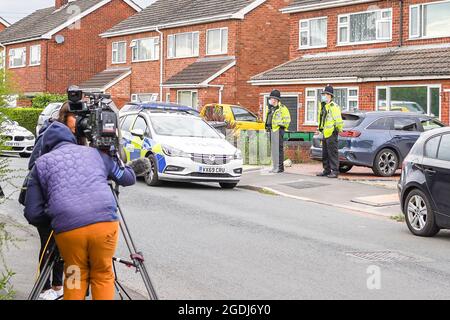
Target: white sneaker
column 59, row 293
column 50, row 294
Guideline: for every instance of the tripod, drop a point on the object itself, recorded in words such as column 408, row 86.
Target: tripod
column 137, row 260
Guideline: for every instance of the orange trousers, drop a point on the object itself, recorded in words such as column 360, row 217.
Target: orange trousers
column 88, row 254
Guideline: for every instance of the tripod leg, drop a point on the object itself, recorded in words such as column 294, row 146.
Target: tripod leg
column 45, row 274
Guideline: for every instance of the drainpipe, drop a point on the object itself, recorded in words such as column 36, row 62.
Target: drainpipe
column 161, row 62
column 4, row 61
column 401, row 23
column 221, row 87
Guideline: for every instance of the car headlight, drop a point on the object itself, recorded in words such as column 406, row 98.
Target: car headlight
column 29, row 137
column 238, row 155
column 174, row 152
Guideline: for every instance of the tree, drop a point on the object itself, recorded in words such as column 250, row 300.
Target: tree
column 7, row 87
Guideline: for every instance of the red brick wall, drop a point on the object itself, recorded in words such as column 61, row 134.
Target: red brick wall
column 2, row 27
column 332, row 34
column 80, row 57
column 367, row 96
column 121, row 92
column 29, row 79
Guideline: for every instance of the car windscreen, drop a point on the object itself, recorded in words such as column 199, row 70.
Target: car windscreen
column 240, row 114
column 182, row 127
column 430, row 124
column 351, row 120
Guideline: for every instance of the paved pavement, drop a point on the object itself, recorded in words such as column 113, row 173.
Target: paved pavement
column 202, row 242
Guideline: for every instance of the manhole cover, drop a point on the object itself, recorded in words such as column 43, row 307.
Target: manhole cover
column 383, row 256
column 304, row 184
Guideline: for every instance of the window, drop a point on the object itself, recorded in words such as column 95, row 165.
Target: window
column 430, row 124
column 183, row 45
column 346, row 98
column 313, row 33
column 141, row 124
column 431, row 147
column 35, row 55
column 405, row 124
column 145, row 49
column 240, row 114
column 382, row 124
column 444, row 148
column 370, row 26
column 119, row 52
column 168, row 97
column 17, row 57
column 217, row 41
column 144, row 97
column 420, row 99
column 187, row 98
column 128, row 122
column 431, row 20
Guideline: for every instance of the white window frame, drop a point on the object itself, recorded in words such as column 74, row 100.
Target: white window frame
column 316, row 102
column 117, row 50
column 308, row 30
column 421, row 26
column 222, row 50
column 168, row 97
column 170, row 51
column 156, row 48
column 24, row 58
column 38, row 61
column 429, row 87
column 377, row 24
column 135, row 97
column 191, row 91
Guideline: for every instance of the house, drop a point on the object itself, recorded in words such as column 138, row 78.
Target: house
column 3, row 24
column 58, row 46
column 378, row 55
column 194, row 51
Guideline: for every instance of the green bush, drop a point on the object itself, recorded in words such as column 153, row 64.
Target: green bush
column 26, row 117
column 43, row 99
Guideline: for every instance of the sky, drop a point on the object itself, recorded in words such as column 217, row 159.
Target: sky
column 13, row 10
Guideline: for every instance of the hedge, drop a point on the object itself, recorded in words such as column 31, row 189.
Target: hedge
column 44, row 99
column 26, row 117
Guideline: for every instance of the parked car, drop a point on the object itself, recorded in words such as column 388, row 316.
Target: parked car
column 377, row 140
column 49, row 111
column 15, row 139
column 242, row 118
column 180, row 146
column 424, row 186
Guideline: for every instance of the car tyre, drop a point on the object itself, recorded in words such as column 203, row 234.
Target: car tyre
column 344, row 168
column 419, row 215
column 152, row 178
column 25, row 155
column 386, row 163
column 224, row 185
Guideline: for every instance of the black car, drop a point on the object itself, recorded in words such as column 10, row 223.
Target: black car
column 424, row 186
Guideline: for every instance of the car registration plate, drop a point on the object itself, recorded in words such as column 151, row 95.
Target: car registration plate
column 11, row 144
column 211, row 170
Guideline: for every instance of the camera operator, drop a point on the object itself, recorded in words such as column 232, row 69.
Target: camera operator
column 68, row 189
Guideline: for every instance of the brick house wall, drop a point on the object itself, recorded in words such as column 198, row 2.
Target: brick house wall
column 248, row 41
column 367, row 91
column 80, row 57
column 2, row 27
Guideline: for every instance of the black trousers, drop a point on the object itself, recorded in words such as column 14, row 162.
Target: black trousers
column 58, row 268
column 277, row 149
column 330, row 154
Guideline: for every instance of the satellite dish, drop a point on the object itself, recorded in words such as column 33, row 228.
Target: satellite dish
column 59, row 39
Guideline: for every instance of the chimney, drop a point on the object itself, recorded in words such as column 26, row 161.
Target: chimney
column 60, row 3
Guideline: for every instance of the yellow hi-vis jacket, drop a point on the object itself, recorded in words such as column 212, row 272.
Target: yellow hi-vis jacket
column 333, row 119
column 281, row 117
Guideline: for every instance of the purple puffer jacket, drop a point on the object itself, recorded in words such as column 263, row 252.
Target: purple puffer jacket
column 72, row 181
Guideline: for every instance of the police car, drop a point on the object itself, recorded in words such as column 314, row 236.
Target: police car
column 180, row 145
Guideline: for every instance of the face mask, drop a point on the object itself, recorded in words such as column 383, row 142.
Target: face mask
column 324, row 98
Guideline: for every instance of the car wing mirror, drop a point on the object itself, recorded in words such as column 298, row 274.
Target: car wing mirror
column 138, row 133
